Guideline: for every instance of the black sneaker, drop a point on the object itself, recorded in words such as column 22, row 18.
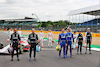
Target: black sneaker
column 18, row 60
column 11, row 59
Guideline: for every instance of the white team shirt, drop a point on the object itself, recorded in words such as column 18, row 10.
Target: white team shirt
column 75, row 37
column 10, row 33
column 41, row 35
column 20, row 33
column 50, row 35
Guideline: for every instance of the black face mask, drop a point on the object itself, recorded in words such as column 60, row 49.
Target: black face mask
column 33, row 35
column 15, row 34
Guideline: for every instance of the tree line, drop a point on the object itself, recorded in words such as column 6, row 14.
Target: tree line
column 59, row 23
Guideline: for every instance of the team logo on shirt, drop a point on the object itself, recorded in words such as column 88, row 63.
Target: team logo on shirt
column 33, row 37
column 41, row 34
column 63, row 36
column 88, row 35
column 69, row 35
column 50, row 34
column 15, row 37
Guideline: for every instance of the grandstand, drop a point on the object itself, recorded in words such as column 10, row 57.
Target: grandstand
column 27, row 21
column 93, row 24
column 89, row 23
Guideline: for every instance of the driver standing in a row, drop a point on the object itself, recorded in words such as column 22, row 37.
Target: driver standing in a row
column 15, row 43
column 10, row 32
column 20, row 32
column 15, row 38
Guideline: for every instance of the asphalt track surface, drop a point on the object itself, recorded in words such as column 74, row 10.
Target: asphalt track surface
column 48, row 57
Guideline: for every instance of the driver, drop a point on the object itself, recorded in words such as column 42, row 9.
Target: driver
column 15, row 40
column 33, row 41
column 41, row 37
column 20, row 32
column 10, row 32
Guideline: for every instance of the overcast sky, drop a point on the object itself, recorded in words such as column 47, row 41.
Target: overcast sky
column 45, row 9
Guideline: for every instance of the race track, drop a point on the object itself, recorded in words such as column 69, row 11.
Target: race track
column 48, row 57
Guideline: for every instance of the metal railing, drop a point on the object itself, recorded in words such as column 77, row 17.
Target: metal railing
column 94, row 29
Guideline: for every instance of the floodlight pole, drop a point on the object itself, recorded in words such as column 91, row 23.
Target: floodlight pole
column 39, row 20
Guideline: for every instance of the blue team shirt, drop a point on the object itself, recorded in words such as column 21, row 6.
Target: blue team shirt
column 69, row 36
column 62, row 36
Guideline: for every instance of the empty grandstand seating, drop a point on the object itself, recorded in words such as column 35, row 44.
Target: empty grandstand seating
column 90, row 23
column 16, row 23
column 27, row 23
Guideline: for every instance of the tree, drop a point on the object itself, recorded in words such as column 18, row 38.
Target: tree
column 59, row 23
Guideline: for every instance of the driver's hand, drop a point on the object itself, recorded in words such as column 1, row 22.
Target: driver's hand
column 91, row 41
column 38, row 45
column 58, row 44
column 10, row 46
column 18, row 46
column 66, row 44
column 29, row 45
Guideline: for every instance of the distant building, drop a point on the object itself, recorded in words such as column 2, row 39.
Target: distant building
column 27, row 21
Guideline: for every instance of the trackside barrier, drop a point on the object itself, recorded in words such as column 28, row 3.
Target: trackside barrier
column 57, row 32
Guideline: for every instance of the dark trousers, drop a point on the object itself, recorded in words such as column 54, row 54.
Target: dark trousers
column 33, row 47
column 89, row 42
column 70, row 50
column 15, row 48
column 79, row 45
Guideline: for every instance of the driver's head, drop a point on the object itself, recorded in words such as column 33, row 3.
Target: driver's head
column 74, row 32
column 63, row 30
column 15, row 30
column 11, row 29
column 88, row 29
column 19, row 28
column 69, row 29
column 79, row 31
column 33, row 30
column 49, row 30
column 41, row 30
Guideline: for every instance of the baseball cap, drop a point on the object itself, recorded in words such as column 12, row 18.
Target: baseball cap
column 88, row 29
